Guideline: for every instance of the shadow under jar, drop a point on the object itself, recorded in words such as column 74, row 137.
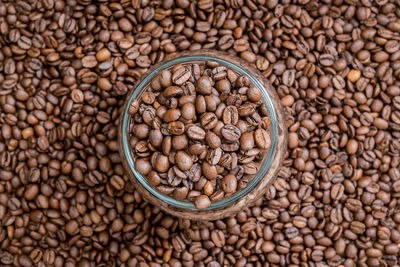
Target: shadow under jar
column 168, row 149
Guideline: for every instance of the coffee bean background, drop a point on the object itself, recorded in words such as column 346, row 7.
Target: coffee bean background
column 66, row 66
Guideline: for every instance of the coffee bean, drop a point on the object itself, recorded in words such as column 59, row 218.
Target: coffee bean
column 202, row 202
column 229, row 183
column 173, row 179
column 230, row 133
column 213, row 140
column 183, row 160
column 172, row 115
column 143, row 166
column 230, row 115
column 180, row 193
column 247, row 141
column 204, row 84
column 176, row 128
column 209, row 171
column 180, row 75
column 214, row 156
column 103, row 55
column 31, row 192
column 208, row 120
column 195, row 132
column 89, row 61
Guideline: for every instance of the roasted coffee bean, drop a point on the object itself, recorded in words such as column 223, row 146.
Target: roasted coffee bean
column 208, row 120
column 229, row 183
column 202, row 202
column 214, row 156
column 180, row 75
column 230, row 115
column 213, row 140
column 195, row 132
column 262, row 139
column 231, row 133
column 183, row 160
column 176, row 128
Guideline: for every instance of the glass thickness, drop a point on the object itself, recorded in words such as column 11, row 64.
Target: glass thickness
column 196, row 58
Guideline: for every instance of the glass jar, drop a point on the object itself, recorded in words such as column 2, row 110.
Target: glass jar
column 268, row 170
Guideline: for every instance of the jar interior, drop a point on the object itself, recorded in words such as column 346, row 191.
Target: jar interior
column 264, row 164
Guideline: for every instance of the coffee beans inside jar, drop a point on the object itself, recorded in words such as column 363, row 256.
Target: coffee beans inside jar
column 199, row 132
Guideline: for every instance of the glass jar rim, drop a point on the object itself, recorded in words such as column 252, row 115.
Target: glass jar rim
column 200, row 56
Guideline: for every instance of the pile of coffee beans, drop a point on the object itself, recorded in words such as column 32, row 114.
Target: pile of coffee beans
column 199, row 132
column 67, row 65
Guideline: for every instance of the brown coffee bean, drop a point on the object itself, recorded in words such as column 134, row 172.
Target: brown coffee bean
column 223, row 86
column 230, row 115
column 214, row 155
column 351, row 146
column 31, row 192
column 202, row 202
column 180, row 142
column 180, row 75
column 143, row 166
column 229, row 183
column 246, row 109
column 103, row 55
column 253, row 94
column 104, row 83
column 183, row 160
column 89, row 61
column 125, row 25
column 204, row 85
column 208, row 120
column 196, row 133
column 213, row 140
column 141, row 131
column 180, row 193
column 117, row 182
column 230, row 133
column 209, row 171
column 188, row 111
column 247, row 141
column 162, row 163
column 172, row 115
column 176, row 128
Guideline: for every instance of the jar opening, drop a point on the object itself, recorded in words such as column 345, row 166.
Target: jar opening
column 265, row 164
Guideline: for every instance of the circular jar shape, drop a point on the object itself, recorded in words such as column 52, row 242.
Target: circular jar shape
column 232, row 203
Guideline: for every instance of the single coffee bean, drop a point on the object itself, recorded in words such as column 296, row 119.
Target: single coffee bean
column 180, row 75
column 143, row 166
column 188, row 111
column 172, row 115
column 176, row 128
column 202, row 202
column 231, row 133
column 195, row 132
column 208, row 120
column 229, row 183
column 103, row 55
column 213, row 140
column 262, row 138
column 183, row 160
column 180, row 193
column 214, row 156
column 247, row 141
column 209, row 171
column 230, row 115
